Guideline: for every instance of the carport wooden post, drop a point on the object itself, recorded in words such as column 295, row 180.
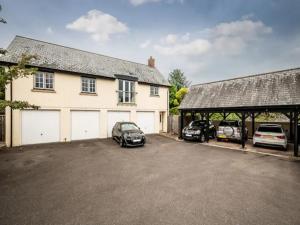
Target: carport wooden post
column 296, row 135
column 207, row 127
column 291, row 125
column 243, row 130
column 253, row 123
column 193, row 116
column 180, row 127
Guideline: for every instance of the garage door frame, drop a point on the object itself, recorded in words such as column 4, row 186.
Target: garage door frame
column 39, row 110
column 137, row 112
column 82, row 110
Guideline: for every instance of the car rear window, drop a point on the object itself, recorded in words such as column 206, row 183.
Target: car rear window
column 270, row 129
column 229, row 124
column 197, row 123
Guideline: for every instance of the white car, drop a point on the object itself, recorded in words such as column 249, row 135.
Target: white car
column 270, row 135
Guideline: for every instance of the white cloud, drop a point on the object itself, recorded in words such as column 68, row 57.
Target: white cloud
column 196, row 47
column 186, row 37
column 225, row 38
column 145, row 44
column 170, row 39
column 246, row 29
column 49, row 30
column 99, row 24
column 142, row 2
column 233, row 37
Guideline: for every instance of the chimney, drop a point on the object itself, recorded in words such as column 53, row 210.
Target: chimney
column 151, row 62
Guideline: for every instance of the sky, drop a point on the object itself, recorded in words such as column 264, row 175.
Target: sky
column 208, row 40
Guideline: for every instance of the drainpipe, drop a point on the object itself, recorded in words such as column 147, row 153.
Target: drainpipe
column 11, row 115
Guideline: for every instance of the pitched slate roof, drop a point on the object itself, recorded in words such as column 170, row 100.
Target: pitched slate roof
column 280, row 88
column 57, row 57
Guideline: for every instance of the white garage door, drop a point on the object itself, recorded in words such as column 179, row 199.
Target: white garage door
column 116, row 116
column 39, row 126
column 85, row 125
column 146, row 121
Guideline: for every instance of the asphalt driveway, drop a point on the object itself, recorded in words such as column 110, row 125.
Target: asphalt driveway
column 165, row 182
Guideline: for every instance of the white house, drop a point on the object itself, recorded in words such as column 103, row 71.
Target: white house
column 81, row 94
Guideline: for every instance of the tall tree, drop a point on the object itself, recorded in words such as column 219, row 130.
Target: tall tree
column 178, row 79
column 7, row 75
column 2, row 20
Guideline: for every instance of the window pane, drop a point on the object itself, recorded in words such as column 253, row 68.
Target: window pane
column 39, row 80
column 121, row 96
column 126, row 96
column 49, row 80
column 132, row 86
column 92, row 85
column 120, row 85
column 126, row 86
column 132, row 97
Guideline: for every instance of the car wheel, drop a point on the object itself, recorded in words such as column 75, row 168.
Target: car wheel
column 202, row 138
column 121, row 142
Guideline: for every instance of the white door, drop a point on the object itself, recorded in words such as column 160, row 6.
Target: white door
column 116, row 116
column 85, row 125
column 146, row 121
column 39, row 126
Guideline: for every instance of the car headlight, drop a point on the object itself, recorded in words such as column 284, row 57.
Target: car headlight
column 197, row 132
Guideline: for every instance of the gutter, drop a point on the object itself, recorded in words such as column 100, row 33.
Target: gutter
column 11, row 115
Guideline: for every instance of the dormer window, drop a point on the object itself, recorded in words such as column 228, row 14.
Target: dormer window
column 44, row 80
column 126, row 91
column 88, row 85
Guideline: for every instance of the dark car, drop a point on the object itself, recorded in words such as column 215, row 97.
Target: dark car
column 231, row 130
column 196, row 131
column 128, row 134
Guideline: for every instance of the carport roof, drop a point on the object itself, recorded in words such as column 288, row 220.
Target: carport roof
column 57, row 57
column 279, row 88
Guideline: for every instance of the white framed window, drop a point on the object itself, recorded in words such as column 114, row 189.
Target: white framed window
column 154, row 90
column 88, row 85
column 126, row 91
column 44, row 80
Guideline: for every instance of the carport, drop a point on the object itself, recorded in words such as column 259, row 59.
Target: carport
column 247, row 97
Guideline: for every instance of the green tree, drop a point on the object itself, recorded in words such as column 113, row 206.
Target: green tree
column 178, row 79
column 1, row 19
column 177, row 100
column 7, row 75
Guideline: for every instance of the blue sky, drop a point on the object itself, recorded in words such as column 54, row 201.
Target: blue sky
column 208, row 40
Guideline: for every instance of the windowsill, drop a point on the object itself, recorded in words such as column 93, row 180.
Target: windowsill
column 155, row 96
column 43, row 90
column 89, row 93
column 127, row 103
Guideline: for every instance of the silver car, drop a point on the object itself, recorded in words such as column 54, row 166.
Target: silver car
column 270, row 135
column 231, row 130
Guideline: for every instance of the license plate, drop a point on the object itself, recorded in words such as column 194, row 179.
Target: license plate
column 222, row 136
column 137, row 140
column 188, row 135
column 268, row 136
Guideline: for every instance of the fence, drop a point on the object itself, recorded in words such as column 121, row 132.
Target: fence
column 2, row 128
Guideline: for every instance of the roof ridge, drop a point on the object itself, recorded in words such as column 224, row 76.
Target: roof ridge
column 247, row 76
column 77, row 49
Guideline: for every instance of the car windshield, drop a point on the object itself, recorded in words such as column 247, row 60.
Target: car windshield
column 229, row 124
column 197, row 124
column 270, row 129
column 128, row 126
